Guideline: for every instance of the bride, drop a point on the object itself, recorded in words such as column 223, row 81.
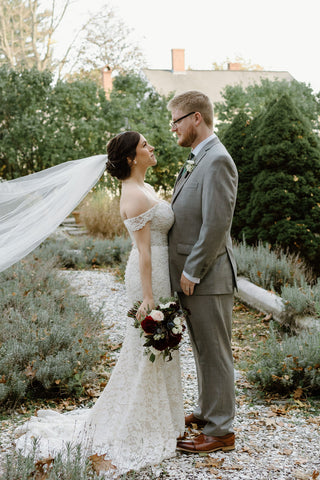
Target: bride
column 139, row 415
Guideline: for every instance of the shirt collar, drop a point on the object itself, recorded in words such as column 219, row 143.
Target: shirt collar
column 197, row 149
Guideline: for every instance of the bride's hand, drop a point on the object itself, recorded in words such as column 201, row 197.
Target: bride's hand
column 146, row 306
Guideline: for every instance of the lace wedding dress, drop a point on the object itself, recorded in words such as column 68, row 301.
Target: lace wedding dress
column 139, row 415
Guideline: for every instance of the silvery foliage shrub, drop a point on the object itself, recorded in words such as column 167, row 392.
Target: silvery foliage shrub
column 303, row 299
column 270, row 269
column 85, row 252
column 49, row 337
column 283, row 366
column 283, row 273
column 73, row 465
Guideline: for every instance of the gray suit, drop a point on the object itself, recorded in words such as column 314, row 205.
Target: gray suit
column 200, row 244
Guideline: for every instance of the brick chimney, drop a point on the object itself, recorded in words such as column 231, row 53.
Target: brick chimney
column 106, row 80
column 234, row 66
column 177, row 55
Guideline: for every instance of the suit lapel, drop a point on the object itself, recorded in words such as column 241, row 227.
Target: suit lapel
column 180, row 182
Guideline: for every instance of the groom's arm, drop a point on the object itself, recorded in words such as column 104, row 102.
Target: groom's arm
column 217, row 206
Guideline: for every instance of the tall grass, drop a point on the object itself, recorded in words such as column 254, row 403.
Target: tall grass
column 100, row 213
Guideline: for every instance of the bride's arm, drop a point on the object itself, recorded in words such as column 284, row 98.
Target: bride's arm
column 134, row 204
column 142, row 238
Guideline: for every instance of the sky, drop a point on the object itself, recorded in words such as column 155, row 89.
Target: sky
column 279, row 35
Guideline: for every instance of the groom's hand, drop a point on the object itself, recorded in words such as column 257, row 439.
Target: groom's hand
column 186, row 285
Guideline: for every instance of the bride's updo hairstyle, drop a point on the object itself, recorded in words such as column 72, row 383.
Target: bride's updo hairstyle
column 119, row 149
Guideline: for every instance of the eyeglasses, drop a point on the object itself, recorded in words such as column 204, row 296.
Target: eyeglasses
column 174, row 124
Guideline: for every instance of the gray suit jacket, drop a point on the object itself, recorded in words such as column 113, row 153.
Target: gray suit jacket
column 203, row 205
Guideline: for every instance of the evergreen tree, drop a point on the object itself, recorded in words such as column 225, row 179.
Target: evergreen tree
column 237, row 138
column 284, row 205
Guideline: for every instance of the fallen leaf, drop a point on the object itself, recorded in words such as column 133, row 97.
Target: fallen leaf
column 29, row 372
column 271, row 414
column 43, row 468
column 247, row 450
column 300, row 475
column 210, row 462
column 315, row 420
column 234, row 467
column 300, row 461
column 298, row 393
column 270, row 422
column 100, row 464
column 280, row 410
column 93, row 393
column 286, row 451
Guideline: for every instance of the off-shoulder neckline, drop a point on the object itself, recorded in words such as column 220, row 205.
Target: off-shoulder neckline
column 149, row 210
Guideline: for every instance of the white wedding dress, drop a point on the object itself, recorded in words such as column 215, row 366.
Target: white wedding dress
column 139, row 415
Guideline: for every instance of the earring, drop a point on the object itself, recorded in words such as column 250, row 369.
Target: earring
column 134, row 162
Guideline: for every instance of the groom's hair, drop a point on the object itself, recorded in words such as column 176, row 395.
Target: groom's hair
column 194, row 101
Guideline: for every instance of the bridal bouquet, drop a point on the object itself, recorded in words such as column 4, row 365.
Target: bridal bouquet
column 162, row 328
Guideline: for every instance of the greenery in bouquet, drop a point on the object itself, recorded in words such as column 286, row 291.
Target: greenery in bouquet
column 162, row 328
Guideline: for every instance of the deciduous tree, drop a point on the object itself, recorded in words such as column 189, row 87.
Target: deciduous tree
column 44, row 124
column 105, row 40
column 27, row 31
column 254, row 99
column 135, row 105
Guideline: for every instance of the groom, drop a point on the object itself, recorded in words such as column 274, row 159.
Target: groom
column 202, row 266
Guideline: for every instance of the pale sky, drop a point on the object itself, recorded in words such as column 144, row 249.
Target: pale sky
column 279, row 35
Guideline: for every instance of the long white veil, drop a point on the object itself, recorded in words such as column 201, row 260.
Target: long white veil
column 32, row 207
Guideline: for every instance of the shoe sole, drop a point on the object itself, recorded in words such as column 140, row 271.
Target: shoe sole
column 224, row 449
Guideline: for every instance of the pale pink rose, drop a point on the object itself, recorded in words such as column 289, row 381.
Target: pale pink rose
column 156, row 315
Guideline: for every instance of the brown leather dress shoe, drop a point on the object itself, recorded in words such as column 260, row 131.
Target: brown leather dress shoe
column 205, row 443
column 189, row 419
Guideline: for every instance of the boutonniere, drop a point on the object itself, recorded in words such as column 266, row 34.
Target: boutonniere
column 190, row 164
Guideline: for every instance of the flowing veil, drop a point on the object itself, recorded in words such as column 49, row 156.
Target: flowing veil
column 32, row 207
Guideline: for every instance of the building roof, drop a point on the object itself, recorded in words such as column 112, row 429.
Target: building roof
column 210, row 82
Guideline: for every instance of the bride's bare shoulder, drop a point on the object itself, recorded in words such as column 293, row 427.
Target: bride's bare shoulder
column 133, row 202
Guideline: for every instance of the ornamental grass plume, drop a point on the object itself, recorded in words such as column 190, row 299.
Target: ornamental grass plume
column 100, row 213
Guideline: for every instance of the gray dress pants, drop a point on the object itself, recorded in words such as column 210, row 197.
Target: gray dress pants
column 209, row 324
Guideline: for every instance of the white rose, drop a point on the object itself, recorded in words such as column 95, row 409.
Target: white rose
column 189, row 165
column 177, row 321
column 175, row 331
column 166, row 305
column 156, row 315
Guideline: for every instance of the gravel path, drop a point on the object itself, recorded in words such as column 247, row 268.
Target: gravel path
column 271, row 442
